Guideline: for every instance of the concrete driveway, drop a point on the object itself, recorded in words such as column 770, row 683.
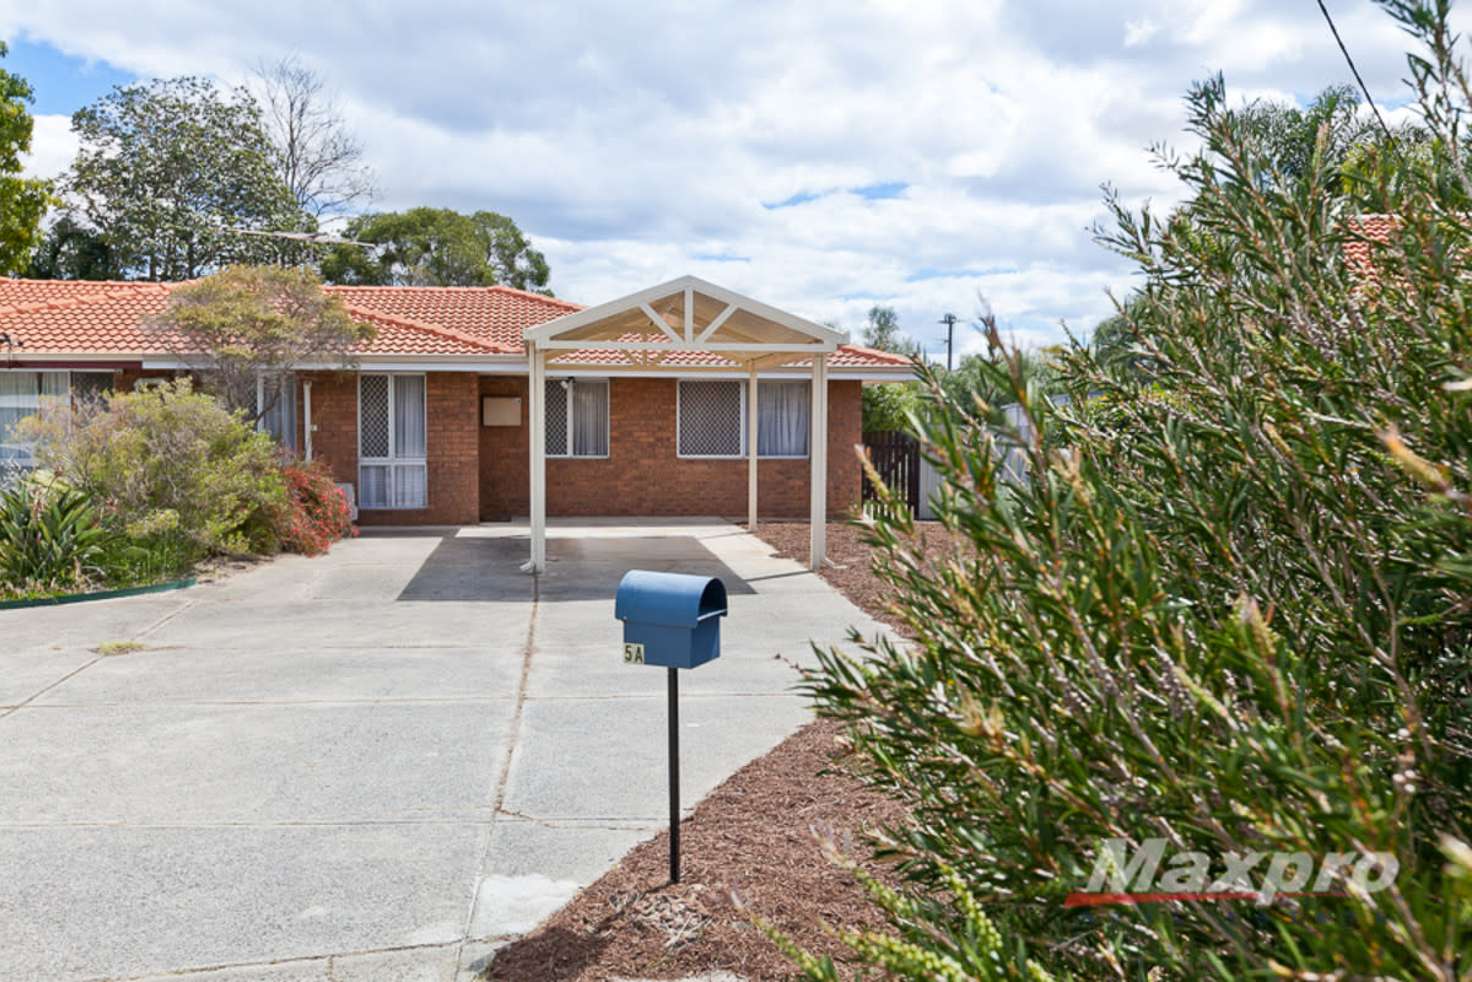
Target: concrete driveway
column 368, row 765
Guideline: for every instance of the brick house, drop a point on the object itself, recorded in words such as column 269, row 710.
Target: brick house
column 658, row 404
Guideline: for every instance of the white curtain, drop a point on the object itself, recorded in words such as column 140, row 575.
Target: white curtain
column 25, row 394
column 392, row 472
column 280, row 419
column 782, row 421
column 590, row 418
column 410, row 486
column 373, row 486
column 55, row 388
column 409, row 429
column 19, row 398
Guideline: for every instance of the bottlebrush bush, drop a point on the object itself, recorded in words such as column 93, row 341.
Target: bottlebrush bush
column 1230, row 607
column 317, row 513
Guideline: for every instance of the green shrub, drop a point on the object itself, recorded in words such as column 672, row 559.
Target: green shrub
column 888, row 407
column 50, row 539
column 1228, row 609
column 171, row 468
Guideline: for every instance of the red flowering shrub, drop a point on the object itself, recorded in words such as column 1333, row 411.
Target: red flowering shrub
column 317, row 514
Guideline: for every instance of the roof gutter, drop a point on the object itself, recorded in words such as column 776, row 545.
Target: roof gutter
column 409, row 363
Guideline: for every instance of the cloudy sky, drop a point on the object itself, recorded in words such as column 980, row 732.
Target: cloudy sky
column 822, row 156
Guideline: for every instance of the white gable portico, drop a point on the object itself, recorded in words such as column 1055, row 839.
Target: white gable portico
column 685, row 327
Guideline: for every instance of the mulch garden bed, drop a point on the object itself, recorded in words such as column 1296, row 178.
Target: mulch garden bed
column 848, row 567
column 751, row 848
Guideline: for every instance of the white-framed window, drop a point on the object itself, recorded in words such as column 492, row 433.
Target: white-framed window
column 278, row 396
column 577, row 417
column 784, row 418
column 711, row 418
column 22, row 394
column 393, row 471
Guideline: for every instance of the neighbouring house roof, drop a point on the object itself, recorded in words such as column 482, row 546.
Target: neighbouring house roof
column 107, row 319
column 1367, row 231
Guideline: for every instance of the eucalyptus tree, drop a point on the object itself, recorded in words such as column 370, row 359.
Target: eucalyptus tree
column 23, row 200
column 167, row 174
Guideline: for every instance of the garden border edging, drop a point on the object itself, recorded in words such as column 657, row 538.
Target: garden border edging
column 77, row 598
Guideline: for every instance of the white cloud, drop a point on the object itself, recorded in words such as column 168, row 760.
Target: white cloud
column 637, row 142
column 1139, row 31
column 52, row 147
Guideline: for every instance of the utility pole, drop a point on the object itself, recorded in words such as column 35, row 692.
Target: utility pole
column 949, row 320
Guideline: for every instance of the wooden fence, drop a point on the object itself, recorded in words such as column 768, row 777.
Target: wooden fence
column 896, row 456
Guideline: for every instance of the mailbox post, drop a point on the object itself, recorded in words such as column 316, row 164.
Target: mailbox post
column 671, row 620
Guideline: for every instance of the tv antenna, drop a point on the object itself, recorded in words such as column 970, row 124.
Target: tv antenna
column 311, row 238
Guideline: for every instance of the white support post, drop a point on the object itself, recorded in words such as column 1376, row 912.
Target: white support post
column 307, row 426
column 537, row 434
column 752, row 410
column 818, row 454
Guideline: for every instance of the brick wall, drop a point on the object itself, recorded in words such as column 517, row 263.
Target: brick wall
column 452, row 422
column 643, row 475
column 481, row 472
column 505, row 486
column 335, row 418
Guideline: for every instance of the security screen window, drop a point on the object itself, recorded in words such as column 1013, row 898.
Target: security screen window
column 392, row 465
column 713, row 412
column 89, row 387
column 577, row 417
column 710, row 414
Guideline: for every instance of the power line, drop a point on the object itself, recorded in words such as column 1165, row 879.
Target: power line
column 1356, row 72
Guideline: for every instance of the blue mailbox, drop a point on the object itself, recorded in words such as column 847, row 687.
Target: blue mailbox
column 670, row 619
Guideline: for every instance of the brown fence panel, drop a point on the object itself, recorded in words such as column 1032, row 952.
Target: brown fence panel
column 896, row 456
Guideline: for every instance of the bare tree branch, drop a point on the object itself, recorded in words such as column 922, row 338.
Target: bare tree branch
column 315, row 153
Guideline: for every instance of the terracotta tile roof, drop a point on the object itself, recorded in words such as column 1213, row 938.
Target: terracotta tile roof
column 855, row 355
column 29, row 291
column 496, row 314
column 109, row 318
column 401, row 336
column 1365, row 231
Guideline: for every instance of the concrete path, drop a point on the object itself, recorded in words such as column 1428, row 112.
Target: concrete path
column 369, row 765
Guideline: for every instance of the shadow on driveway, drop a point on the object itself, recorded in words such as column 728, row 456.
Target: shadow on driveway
column 489, row 569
